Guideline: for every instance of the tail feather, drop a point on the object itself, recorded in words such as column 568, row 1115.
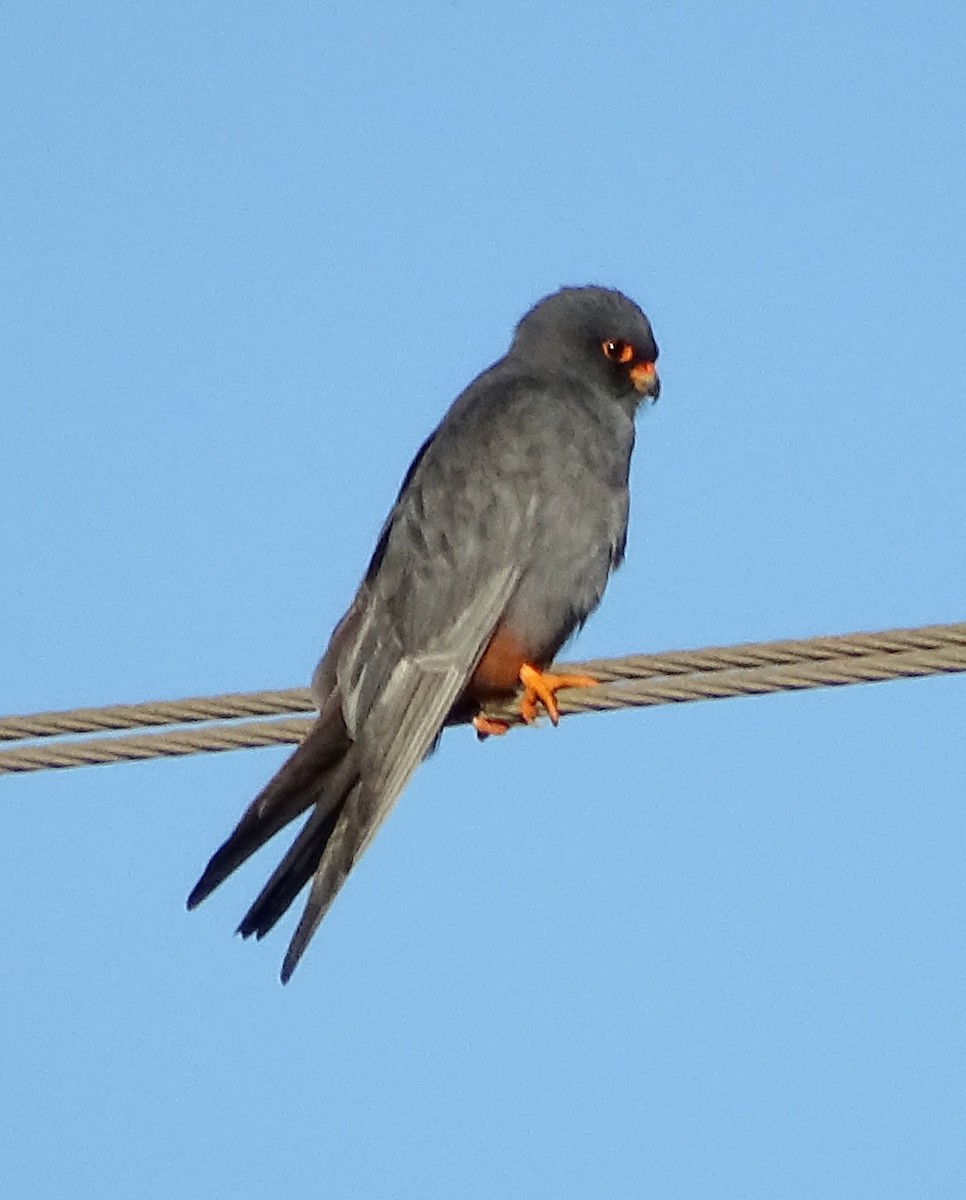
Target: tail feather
column 300, row 783
column 304, row 855
column 343, row 846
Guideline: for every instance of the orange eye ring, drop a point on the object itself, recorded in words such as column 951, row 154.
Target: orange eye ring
column 617, row 351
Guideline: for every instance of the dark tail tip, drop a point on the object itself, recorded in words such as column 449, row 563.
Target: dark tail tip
column 293, row 955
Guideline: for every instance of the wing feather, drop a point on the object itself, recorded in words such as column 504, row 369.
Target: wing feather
column 398, row 733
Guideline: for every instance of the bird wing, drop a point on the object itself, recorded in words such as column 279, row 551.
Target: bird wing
column 400, row 730
column 354, row 783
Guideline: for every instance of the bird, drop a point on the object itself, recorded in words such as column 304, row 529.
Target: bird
column 503, row 535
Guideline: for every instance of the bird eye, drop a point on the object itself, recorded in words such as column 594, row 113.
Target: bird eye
column 617, row 351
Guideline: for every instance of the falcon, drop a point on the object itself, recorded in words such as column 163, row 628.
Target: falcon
column 499, row 546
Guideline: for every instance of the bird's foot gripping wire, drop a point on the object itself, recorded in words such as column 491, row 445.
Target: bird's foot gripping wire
column 539, row 688
column 489, row 727
column 542, row 688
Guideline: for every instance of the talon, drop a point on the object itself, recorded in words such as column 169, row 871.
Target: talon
column 489, row 726
column 542, row 687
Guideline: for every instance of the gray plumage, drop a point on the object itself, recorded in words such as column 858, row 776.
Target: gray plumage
column 511, row 517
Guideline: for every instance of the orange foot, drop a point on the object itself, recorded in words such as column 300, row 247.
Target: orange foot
column 539, row 688
column 489, row 726
column 542, row 687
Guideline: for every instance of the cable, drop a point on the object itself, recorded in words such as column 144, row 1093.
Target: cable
column 632, row 682
column 158, row 712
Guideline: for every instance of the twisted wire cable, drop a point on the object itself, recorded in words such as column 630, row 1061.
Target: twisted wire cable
column 214, row 723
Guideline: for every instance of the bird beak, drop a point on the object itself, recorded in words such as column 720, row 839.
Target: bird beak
column 644, row 377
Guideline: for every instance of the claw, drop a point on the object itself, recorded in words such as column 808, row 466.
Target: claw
column 489, row 726
column 541, row 688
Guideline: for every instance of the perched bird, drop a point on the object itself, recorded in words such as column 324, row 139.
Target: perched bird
column 499, row 545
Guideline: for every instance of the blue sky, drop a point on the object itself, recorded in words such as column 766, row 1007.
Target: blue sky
column 250, row 255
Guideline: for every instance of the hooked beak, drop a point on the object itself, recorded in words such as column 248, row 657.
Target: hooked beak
column 645, row 379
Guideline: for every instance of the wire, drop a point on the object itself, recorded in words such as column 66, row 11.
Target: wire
column 635, row 681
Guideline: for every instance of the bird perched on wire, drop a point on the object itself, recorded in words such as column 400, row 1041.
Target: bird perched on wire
column 499, row 545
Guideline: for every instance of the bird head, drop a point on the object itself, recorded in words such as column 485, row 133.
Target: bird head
column 596, row 333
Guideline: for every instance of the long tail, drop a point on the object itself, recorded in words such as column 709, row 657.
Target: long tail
column 304, row 855
column 311, row 776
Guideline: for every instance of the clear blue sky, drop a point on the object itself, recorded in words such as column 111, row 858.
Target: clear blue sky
column 250, row 254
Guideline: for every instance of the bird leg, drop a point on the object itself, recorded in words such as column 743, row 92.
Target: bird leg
column 539, row 688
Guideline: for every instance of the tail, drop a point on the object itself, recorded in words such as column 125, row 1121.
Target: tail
column 311, row 776
column 302, row 862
